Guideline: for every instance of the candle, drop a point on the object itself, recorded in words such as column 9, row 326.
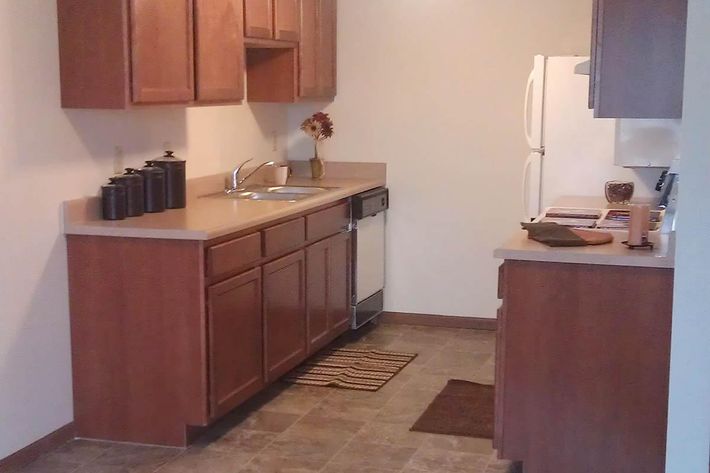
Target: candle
column 639, row 224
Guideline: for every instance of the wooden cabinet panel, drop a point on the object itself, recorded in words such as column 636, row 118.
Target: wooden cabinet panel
column 93, row 58
column 339, row 284
column 235, row 341
column 308, row 49
column 317, row 264
column 287, row 20
column 638, row 58
column 584, row 353
column 259, row 19
column 219, row 47
column 328, row 265
column 327, row 27
column 231, row 257
column 284, row 314
column 162, row 51
column 284, row 237
column 318, row 49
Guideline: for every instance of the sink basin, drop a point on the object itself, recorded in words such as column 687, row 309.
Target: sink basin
column 282, row 193
column 292, row 189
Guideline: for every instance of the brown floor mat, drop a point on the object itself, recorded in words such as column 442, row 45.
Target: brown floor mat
column 462, row 408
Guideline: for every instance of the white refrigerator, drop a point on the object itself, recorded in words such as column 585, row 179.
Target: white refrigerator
column 574, row 154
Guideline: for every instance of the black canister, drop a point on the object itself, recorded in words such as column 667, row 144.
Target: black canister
column 132, row 180
column 113, row 201
column 154, row 186
column 175, row 180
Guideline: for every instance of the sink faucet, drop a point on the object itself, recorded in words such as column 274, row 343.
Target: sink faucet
column 237, row 181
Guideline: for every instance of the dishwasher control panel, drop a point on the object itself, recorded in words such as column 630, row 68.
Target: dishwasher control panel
column 370, row 203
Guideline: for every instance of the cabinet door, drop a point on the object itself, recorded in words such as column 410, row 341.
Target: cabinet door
column 219, row 47
column 308, row 49
column 328, row 265
column 162, row 51
column 317, row 266
column 327, row 25
column 284, row 314
column 235, row 341
column 339, row 283
column 259, row 19
column 287, row 20
column 638, row 52
column 317, row 78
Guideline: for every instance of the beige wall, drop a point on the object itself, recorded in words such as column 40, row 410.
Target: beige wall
column 435, row 89
column 48, row 155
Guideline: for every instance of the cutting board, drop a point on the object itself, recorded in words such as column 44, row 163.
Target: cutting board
column 594, row 238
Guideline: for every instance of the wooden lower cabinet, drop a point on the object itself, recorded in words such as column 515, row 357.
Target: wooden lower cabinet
column 328, row 274
column 339, row 290
column 583, row 366
column 152, row 360
column 284, row 314
column 235, row 341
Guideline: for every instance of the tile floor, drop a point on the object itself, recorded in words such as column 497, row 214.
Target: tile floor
column 299, row 429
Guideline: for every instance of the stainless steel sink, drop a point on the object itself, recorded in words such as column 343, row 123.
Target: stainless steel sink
column 293, row 189
column 279, row 193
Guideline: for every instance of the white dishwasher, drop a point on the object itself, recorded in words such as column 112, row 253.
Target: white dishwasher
column 368, row 219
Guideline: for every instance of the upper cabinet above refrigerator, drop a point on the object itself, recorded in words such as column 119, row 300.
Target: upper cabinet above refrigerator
column 638, row 58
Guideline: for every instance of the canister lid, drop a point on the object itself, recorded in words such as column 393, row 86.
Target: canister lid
column 168, row 157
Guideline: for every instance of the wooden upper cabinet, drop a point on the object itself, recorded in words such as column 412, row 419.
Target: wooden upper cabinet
column 327, row 61
column 235, row 341
column 162, row 51
column 287, row 20
column 317, row 53
column 308, row 49
column 638, row 58
column 219, row 49
column 259, row 19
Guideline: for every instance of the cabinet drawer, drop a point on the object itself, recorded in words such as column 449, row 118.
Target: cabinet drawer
column 327, row 222
column 286, row 236
column 232, row 256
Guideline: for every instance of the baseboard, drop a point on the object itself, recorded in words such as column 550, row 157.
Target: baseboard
column 35, row 450
column 447, row 321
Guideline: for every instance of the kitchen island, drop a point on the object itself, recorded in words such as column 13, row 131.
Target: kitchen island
column 583, row 356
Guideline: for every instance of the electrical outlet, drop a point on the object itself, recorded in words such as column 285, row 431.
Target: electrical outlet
column 119, row 161
column 274, row 141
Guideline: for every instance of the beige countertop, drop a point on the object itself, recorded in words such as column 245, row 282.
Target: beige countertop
column 209, row 216
column 519, row 247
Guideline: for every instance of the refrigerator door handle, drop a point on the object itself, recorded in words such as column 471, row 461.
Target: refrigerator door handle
column 535, row 155
column 526, row 121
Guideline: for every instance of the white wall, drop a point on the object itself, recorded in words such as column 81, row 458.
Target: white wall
column 48, row 155
column 435, row 88
column 689, row 414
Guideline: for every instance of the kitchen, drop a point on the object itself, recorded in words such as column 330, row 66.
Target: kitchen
column 448, row 125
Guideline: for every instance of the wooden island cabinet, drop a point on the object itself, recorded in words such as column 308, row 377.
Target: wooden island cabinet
column 170, row 335
column 582, row 366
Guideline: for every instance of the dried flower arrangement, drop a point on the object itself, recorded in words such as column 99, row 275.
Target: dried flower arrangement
column 319, row 127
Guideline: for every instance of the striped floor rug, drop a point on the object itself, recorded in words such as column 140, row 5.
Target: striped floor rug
column 347, row 368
